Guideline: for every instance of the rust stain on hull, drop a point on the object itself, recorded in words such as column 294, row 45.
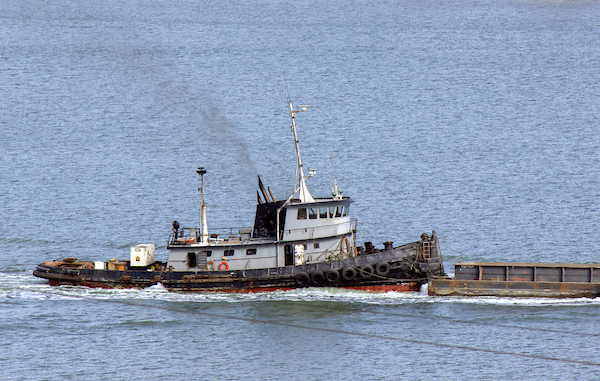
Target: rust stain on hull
column 453, row 287
column 552, row 280
column 403, row 287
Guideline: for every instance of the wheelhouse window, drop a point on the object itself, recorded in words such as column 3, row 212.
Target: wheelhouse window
column 338, row 211
column 302, row 213
column 228, row 253
column 322, row 212
column 191, row 260
column 331, row 211
column 251, row 251
column 345, row 211
column 312, row 213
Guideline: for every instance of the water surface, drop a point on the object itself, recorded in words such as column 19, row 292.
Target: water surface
column 478, row 119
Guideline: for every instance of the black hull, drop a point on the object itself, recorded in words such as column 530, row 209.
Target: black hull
column 401, row 269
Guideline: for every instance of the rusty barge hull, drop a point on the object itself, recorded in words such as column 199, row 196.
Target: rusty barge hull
column 551, row 280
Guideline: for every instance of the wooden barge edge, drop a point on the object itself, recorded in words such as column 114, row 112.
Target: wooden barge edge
column 551, row 280
column 453, row 287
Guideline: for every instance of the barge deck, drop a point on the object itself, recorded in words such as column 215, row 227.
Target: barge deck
column 552, row 280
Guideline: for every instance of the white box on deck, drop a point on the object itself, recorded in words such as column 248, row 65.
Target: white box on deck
column 99, row 265
column 142, row 255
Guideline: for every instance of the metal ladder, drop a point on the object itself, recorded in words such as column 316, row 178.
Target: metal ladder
column 426, row 250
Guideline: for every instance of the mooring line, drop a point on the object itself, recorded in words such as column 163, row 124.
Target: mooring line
column 454, row 320
column 350, row 333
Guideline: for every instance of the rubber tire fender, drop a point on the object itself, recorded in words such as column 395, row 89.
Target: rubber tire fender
column 382, row 268
column 302, row 279
column 317, row 277
column 366, row 271
column 332, row 276
column 348, row 273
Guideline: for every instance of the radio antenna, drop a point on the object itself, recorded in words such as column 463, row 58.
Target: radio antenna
column 287, row 94
column 336, row 192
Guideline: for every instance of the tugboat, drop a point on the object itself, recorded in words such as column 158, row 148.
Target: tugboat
column 295, row 243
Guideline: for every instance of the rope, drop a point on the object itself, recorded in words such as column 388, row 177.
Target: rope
column 351, row 333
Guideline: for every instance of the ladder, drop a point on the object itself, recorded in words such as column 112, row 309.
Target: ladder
column 426, row 250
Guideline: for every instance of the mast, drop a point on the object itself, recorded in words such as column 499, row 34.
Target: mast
column 336, row 192
column 203, row 224
column 304, row 193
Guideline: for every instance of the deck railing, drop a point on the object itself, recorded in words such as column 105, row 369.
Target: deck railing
column 185, row 236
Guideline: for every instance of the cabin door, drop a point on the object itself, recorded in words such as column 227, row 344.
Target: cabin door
column 289, row 255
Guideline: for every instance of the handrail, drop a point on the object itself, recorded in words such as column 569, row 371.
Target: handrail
column 184, row 234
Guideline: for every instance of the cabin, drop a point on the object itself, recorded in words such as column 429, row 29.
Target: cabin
column 292, row 232
column 284, row 234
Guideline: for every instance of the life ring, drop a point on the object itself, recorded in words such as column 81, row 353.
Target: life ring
column 382, row 268
column 348, row 273
column 332, row 276
column 317, row 277
column 345, row 246
column 302, row 279
column 223, row 266
column 366, row 271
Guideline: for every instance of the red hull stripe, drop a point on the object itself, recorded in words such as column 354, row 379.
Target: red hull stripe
column 404, row 287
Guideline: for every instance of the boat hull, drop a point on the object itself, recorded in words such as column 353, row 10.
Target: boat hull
column 453, row 287
column 398, row 269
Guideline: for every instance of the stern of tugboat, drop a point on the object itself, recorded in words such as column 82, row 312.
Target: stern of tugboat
column 429, row 257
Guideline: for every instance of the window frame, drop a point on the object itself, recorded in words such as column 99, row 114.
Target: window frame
column 302, row 214
column 332, row 211
column 192, row 259
column 323, row 209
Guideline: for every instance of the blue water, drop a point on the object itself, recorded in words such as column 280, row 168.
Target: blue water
column 478, row 119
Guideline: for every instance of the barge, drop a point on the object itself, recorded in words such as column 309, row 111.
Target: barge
column 297, row 242
column 552, row 280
